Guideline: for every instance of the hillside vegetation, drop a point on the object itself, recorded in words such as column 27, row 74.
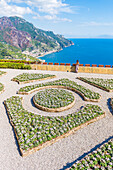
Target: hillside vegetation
column 10, row 52
column 24, row 36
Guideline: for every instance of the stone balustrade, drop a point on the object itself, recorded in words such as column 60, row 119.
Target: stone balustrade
column 67, row 67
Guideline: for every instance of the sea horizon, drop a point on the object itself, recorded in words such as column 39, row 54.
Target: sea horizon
column 90, row 38
column 86, row 50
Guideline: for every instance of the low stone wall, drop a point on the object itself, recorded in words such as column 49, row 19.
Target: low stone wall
column 68, row 68
column 51, row 67
column 98, row 70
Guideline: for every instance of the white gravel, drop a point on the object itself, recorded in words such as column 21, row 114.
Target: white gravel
column 66, row 151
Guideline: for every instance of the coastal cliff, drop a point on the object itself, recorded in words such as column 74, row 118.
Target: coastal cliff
column 30, row 40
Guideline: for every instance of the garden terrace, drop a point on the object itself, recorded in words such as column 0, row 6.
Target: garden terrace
column 54, row 100
column 27, row 77
column 62, row 154
column 34, row 132
column 102, row 158
column 105, row 84
column 87, row 94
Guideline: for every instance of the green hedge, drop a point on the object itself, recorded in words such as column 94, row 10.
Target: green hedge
column 17, row 61
column 14, row 65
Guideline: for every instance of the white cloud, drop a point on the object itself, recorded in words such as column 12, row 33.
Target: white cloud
column 43, row 9
column 93, row 23
column 50, row 9
column 46, row 6
column 54, row 18
column 57, row 19
column 11, row 10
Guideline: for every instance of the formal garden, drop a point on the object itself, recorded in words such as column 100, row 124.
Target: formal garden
column 35, row 131
column 87, row 94
column 105, row 84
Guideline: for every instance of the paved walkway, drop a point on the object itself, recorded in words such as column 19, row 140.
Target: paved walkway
column 63, row 153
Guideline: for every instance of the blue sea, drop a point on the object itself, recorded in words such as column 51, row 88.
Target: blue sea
column 87, row 51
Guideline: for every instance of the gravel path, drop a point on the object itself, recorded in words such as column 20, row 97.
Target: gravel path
column 63, row 153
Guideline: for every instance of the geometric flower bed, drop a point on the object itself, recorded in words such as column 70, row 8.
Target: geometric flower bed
column 53, row 100
column 63, row 83
column 105, row 84
column 34, row 132
column 26, row 77
column 102, row 158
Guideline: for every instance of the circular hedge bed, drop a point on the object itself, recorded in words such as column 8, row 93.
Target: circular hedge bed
column 54, row 100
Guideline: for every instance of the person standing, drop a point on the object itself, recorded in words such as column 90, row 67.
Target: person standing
column 76, row 67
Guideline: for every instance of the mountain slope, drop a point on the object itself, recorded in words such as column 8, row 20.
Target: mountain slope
column 18, row 32
column 10, row 52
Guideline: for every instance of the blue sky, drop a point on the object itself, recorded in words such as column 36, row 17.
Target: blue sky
column 71, row 18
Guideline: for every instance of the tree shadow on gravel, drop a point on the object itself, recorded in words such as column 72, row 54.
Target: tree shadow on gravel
column 79, row 95
column 32, row 103
column 68, row 165
column 16, row 142
column 109, row 105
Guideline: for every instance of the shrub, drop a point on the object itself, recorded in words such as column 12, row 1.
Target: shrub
column 17, row 61
column 14, row 65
